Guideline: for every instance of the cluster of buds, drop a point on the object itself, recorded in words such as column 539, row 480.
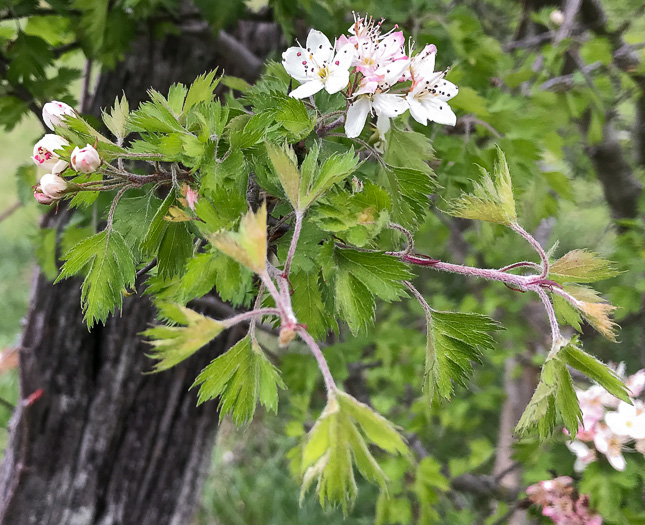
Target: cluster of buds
column 370, row 65
column 609, row 425
column 52, row 185
column 561, row 503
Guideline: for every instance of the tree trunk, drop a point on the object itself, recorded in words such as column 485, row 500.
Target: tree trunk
column 94, row 440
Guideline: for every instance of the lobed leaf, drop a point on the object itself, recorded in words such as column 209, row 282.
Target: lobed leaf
column 492, row 198
column 581, row 266
column 249, row 245
column 454, row 341
column 110, row 270
column 173, row 344
column 241, row 378
column 338, row 441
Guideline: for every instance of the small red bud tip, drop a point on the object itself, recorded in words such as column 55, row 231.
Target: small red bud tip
column 32, row 398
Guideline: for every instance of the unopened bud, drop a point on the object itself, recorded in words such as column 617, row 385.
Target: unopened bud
column 556, row 17
column 286, row 335
column 44, row 155
column 85, row 160
column 42, row 198
column 53, row 186
column 54, row 111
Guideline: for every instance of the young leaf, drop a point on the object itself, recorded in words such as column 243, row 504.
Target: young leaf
column 201, row 90
column 241, row 378
column 554, row 395
column 581, row 266
column 492, row 199
column 454, row 341
column 110, row 271
column 577, row 358
column 117, row 118
column 308, row 304
column 340, row 439
column 285, row 164
column 249, row 245
column 319, row 179
column 409, row 190
column 173, row 344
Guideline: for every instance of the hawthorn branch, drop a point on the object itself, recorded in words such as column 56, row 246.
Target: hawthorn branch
column 330, row 384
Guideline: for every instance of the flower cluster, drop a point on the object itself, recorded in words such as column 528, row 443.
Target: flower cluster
column 52, row 185
column 380, row 77
column 610, row 424
column 561, row 502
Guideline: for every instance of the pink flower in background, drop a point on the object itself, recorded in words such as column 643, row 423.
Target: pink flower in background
column 561, row 503
column 611, row 445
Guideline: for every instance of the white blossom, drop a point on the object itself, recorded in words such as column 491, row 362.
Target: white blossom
column 54, row 111
column 85, row 160
column 317, row 67
column 44, row 153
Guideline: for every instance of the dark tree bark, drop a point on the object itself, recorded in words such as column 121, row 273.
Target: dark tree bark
column 94, row 440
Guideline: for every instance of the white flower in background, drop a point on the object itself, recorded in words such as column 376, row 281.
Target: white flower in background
column 52, row 185
column 428, row 99
column 636, row 383
column 610, row 445
column 373, row 96
column 628, row 421
column 317, row 67
column 54, row 111
column 85, row 160
column 584, row 455
column 44, row 155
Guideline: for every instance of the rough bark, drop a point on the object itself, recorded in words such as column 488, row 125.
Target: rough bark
column 94, row 440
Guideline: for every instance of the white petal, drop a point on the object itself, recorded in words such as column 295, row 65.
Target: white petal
column 439, row 112
column 319, row 46
column 617, row 461
column 383, row 125
column 389, row 105
column 307, row 89
column 446, row 90
column 392, row 71
column 292, row 60
column 337, row 81
column 356, row 115
column 391, row 45
column 417, row 110
column 344, row 56
column 424, row 66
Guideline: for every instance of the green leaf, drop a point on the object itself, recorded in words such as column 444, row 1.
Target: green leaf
column 285, row 165
column 117, row 118
column 133, row 219
column 293, row 116
column 594, row 369
column 354, row 302
column 339, row 440
column 554, row 395
column 409, row 190
column 336, row 168
column 382, row 274
column 581, row 266
column 201, row 90
column 173, row 344
column 454, row 341
column 241, row 378
column 249, row 245
column 308, row 304
column 175, row 248
column 110, row 270
column 492, row 199
column 155, row 233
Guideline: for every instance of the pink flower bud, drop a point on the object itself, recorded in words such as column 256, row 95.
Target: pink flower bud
column 44, row 149
column 54, row 111
column 42, row 198
column 52, row 185
column 85, row 160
